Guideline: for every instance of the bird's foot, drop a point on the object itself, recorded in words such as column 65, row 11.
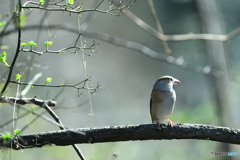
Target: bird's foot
column 170, row 123
column 158, row 124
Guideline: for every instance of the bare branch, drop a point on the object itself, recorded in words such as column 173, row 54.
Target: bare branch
column 158, row 25
column 180, row 37
column 24, row 101
column 127, row 133
column 206, row 70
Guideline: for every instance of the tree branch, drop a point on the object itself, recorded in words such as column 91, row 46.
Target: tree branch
column 125, row 133
column 207, row 70
column 24, row 101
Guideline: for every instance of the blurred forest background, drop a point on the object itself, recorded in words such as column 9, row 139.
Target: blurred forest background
column 127, row 75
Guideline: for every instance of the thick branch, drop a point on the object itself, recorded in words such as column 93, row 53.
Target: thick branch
column 127, row 133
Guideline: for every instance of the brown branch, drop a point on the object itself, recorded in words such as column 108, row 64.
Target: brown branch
column 126, row 133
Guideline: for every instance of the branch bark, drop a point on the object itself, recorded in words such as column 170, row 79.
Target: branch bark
column 24, row 101
column 125, row 133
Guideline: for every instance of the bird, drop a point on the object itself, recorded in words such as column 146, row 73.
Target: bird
column 163, row 98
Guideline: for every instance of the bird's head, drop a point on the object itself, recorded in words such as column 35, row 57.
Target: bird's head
column 165, row 83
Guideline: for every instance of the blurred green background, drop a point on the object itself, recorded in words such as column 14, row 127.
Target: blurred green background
column 127, row 77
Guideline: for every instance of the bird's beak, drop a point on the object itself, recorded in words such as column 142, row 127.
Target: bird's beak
column 176, row 81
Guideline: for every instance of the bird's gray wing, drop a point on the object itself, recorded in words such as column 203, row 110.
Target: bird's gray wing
column 151, row 109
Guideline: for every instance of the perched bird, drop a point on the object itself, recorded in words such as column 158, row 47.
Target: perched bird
column 163, row 99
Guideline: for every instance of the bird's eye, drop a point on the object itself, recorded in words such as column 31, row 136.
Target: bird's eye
column 170, row 79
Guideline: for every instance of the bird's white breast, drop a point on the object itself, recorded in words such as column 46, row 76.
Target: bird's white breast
column 162, row 104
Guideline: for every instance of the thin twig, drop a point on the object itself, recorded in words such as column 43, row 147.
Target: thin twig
column 159, row 27
column 77, row 9
column 182, row 37
column 86, row 75
column 228, row 61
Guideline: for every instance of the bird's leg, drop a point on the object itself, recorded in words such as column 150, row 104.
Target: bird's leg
column 170, row 122
column 158, row 124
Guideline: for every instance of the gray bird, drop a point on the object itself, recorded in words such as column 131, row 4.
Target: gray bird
column 163, row 99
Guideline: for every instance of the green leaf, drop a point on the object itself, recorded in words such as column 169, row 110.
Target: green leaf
column 47, row 43
column 17, row 131
column 32, row 44
column 4, row 53
column 3, row 58
column 17, row 76
column 2, row 24
column 6, row 136
column 23, row 44
column 40, row 3
column 48, row 80
column 70, row 2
